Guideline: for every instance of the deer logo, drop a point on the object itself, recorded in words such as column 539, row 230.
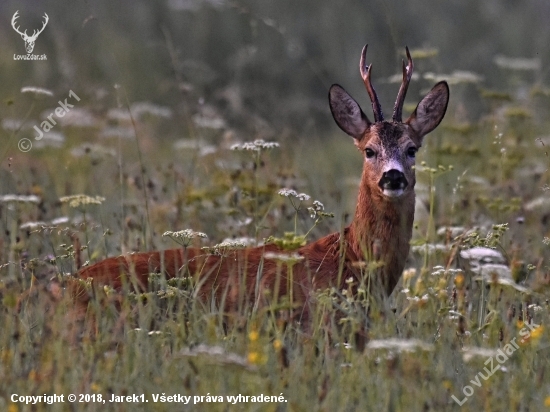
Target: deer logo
column 29, row 40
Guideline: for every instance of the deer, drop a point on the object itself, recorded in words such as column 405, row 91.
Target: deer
column 381, row 228
column 29, row 40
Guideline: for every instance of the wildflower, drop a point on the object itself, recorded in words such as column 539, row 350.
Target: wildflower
column 253, row 336
column 145, row 108
column 32, row 225
column 184, row 237
column 292, row 193
column 456, row 77
column 78, row 117
column 255, row 146
column 459, row 280
column 208, row 122
column 19, row 199
column 60, row 220
column 290, row 258
column 75, row 201
column 265, row 145
column 36, row 90
column 33, row 375
column 118, row 132
column 287, row 192
column 169, row 292
column 225, row 246
column 277, row 344
column 513, row 63
column 537, row 332
column 254, row 358
column 409, row 273
column 315, row 209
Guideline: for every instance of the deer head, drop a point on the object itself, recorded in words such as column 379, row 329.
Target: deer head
column 389, row 147
column 29, row 40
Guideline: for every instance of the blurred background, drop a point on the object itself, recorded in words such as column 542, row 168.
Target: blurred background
column 271, row 61
column 220, row 72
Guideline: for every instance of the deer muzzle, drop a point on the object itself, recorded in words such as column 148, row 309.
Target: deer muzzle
column 393, row 183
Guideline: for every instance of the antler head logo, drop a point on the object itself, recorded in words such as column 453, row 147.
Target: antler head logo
column 29, row 40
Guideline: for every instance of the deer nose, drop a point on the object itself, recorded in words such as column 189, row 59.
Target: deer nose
column 393, row 180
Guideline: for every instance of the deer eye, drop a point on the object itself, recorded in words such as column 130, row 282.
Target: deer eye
column 370, row 153
column 411, row 151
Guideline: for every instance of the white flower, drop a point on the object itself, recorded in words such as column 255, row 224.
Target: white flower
column 184, row 237
column 283, row 257
column 225, row 246
column 288, row 192
column 255, row 146
column 36, row 90
column 316, row 208
column 19, row 198
column 265, row 145
column 80, row 200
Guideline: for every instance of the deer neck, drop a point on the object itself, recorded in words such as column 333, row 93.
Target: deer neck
column 381, row 231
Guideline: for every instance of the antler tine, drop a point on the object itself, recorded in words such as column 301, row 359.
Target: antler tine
column 365, row 74
column 37, row 32
column 407, row 74
column 14, row 22
column 15, row 17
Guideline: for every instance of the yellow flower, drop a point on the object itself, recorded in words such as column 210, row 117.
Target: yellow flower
column 537, row 332
column 256, row 358
column 459, row 280
column 520, row 324
column 547, row 401
column 277, row 344
column 253, row 357
column 253, row 336
column 33, row 376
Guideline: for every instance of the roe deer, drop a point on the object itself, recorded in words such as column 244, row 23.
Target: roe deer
column 381, row 228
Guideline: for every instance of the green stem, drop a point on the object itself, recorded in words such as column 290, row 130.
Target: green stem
column 256, row 202
column 430, row 218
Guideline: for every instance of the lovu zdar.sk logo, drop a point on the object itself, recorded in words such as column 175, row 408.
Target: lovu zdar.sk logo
column 29, row 40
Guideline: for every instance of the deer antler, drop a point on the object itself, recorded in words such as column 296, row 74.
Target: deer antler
column 407, row 74
column 365, row 74
column 13, row 22
column 37, row 32
column 24, row 34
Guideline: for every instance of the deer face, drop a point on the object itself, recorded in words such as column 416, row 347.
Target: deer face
column 389, row 154
column 389, row 147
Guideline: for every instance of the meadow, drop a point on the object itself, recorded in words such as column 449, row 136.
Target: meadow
column 119, row 170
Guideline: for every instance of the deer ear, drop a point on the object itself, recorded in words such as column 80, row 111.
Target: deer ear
column 347, row 113
column 430, row 111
